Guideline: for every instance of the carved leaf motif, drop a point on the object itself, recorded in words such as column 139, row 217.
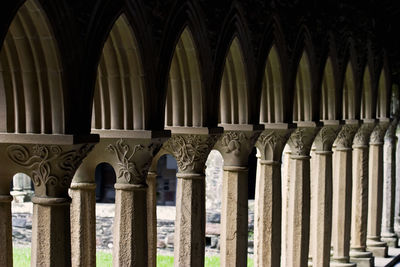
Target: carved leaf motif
column 190, row 149
column 301, row 140
column 232, row 141
column 345, row 136
column 127, row 167
column 362, row 136
column 378, row 133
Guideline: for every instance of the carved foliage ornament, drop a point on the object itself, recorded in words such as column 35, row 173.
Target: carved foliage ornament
column 49, row 164
column 345, row 136
column 300, row 141
column 190, row 150
column 325, row 138
column 271, row 143
column 378, row 134
column 391, row 131
column 362, row 136
column 237, row 141
column 128, row 168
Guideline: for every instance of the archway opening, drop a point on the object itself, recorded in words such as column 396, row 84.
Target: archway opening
column 184, row 101
column 31, row 75
column 349, row 94
column 302, row 105
column 119, row 98
column 271, row 106
column 328, row 107
column 234, row 94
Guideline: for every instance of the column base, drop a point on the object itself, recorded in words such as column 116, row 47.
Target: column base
column 378, row 248
column 391, row 239
column 362, row 258
column 341, row 262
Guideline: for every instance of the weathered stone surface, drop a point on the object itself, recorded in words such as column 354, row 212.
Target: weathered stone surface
column 375, row 191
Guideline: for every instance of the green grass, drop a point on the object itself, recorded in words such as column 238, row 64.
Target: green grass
column 22, row 258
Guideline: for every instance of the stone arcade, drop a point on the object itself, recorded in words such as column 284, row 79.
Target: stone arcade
column 124, row 82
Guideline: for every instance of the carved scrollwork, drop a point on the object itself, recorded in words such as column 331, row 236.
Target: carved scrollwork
column 362, row 136
column 378, row 133
column 190, row 150
column 345, row 136
column 271, row 143
column 49, row 165
column 300, row 141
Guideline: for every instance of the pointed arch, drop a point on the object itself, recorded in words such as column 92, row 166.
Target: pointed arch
column 349, row 94
column 234, row 107
column 185, row 97
column 383, row 100
column 328, row 103
column 31, row 87
column 271, row 106
column 119, row 98
column 302, row 105
column 366, row 95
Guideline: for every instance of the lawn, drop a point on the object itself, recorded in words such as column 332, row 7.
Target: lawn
column 22, row 257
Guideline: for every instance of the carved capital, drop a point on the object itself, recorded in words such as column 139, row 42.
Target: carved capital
column 344, row 139
column 325, row 137
column 190, row 150
column 132, row 159
column 361, row 139
column 390, row 135
column 301, row 139
column 378, row 133
column 235, row 146
column 271, row 143
column 51, row 167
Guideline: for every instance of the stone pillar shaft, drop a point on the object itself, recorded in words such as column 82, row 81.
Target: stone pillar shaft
column 375, row 193
column 83, row 224
column 267, row 215
column 152, row 218
column 189, row 241
column 321, row 237
column 298, row 212
column 298, row 215
column 130, row 226
column 342, row 205
column 6, row 256
column 234, row 222
column 360, row 199
column 191, row 152
column 389, row 186
column 51, row 243
column 359, row 215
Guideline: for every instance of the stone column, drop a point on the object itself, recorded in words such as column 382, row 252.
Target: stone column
column 268, row 202
column 83, row 222
column 6, row 255
column 190, row 151
column 298, row 232
column 235, row 147
column 131, row 161
column 322, row 196
column 375, row 191
column 389, row 186
column 51, row 167
column 285, row 176
column 152, row 217
column 342, row 187
column 397, row 193
column 359, row 215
